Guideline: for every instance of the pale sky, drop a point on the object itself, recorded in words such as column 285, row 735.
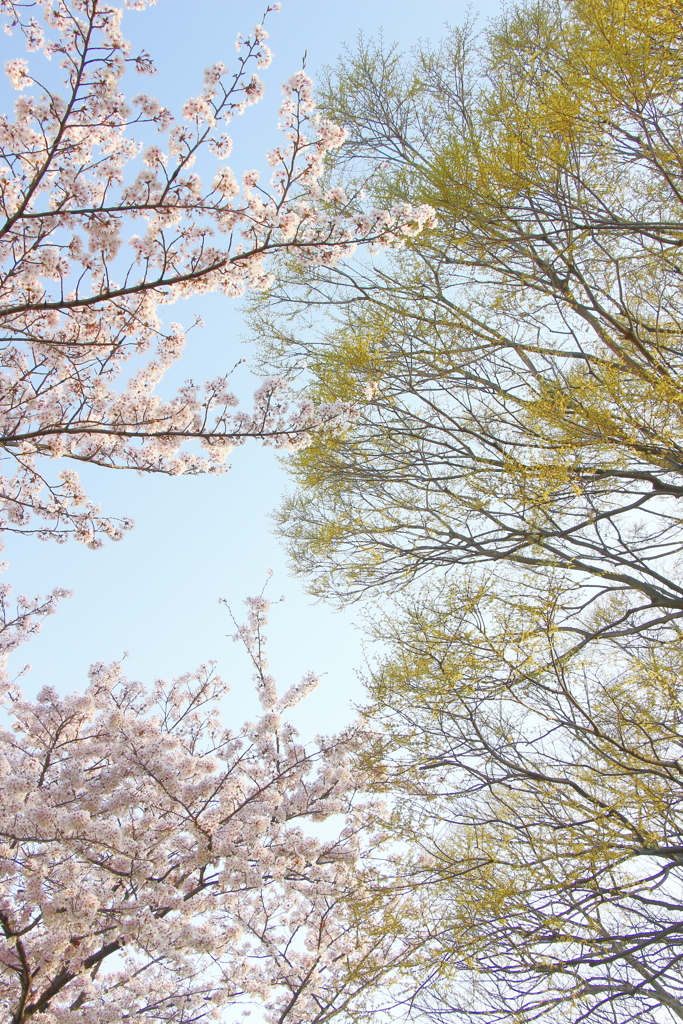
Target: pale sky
column 155, row 594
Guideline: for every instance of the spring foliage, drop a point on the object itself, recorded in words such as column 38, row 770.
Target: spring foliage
column 515, row 477
column 518, row 366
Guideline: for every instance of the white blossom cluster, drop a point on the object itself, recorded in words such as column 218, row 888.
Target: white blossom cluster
column 156, row 866
column 98, row 231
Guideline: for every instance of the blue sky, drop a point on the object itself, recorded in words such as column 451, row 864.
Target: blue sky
column 155, row 595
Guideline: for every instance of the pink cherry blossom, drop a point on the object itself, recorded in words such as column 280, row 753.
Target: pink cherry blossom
column 99, row 234
column 157, row 865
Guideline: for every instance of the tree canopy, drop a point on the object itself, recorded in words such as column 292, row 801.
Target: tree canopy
column 517, row 368
column 513, row 478
column 539, row 807
column 153, row 863
column 488, row 429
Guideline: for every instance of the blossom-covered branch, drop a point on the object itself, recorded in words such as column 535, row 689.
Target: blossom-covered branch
column 89, row 252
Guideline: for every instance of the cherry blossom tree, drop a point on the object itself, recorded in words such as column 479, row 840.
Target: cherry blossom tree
column 154, row 865
column 102, row 226
column 157, row 866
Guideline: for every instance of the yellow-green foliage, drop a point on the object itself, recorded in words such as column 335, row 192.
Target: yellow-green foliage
column 519, row 375
column 519, row 368
column 540, row 810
